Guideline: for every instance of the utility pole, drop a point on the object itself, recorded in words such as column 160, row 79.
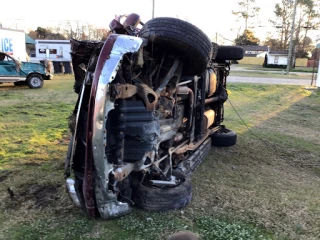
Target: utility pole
column 291, row 37
column 318, row 75
column 153, row 8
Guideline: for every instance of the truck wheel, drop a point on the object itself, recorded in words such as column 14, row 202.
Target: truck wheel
column 35, row 81
column 180, row 37
column 154, row 198
column 224, row 138
column 229, row 53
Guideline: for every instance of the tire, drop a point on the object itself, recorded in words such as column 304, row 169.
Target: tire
column 35, row 81
column 166, row 198
column 224, row 138
column 229, row 53
column 181, row 37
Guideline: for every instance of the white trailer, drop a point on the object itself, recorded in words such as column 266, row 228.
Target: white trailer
column 13, row 42
column 53, row 50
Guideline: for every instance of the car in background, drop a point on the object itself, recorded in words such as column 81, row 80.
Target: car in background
column 22, row 73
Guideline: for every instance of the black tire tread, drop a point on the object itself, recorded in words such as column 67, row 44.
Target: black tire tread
column 163, row 26
column 183, row 37
column 162, row 199
column 224, row 138
column 229, row 53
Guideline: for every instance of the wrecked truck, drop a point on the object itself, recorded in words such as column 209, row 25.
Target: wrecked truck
column 150, row 106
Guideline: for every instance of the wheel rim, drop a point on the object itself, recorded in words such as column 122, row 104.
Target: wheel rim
column 35, row 81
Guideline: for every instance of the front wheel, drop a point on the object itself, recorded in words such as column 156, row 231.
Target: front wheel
column 35, row 81
column 153, row 198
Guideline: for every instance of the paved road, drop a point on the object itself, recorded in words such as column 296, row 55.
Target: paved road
column 269, row 80
column 235, row 68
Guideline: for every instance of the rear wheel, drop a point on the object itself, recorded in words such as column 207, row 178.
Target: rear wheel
column 229, row 53
column 171, row 34
column 155, row 198
column 35, row 81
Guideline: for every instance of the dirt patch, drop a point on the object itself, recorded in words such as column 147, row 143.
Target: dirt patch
column 45, row 195
column 35, row 196
column 3, row 177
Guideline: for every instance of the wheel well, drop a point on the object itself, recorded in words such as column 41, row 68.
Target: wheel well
column 37, row 73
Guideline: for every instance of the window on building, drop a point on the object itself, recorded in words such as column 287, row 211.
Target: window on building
column 276, row 59
column 42, row 51
column 53, row 51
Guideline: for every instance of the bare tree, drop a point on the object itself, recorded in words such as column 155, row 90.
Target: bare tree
column 71, row 29
column 283, row 12
column 248, row 10
column 307, row 18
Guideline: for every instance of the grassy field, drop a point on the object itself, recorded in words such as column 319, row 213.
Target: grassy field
column 265, row 187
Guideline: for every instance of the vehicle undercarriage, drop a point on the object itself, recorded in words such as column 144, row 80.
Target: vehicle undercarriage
column 150, row 106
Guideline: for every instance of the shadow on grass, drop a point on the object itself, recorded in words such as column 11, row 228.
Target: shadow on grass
column 271, row 177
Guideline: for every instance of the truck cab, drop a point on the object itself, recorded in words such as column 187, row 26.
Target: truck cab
column 22, row 73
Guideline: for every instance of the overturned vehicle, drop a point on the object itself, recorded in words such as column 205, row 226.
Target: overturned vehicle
column 150, row 107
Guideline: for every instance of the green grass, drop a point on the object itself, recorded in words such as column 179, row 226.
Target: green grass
column 35, row 121
column 265, row 187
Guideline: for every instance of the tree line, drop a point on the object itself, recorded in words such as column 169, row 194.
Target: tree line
column 70, row 29
column 307, row 18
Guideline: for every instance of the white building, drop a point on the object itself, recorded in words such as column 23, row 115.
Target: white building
column 255, row 51
column 54, row 50
column 277, row 57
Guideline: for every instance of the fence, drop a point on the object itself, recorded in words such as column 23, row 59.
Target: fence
column 251, row 61
column 313, row 63
column 300, row 62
